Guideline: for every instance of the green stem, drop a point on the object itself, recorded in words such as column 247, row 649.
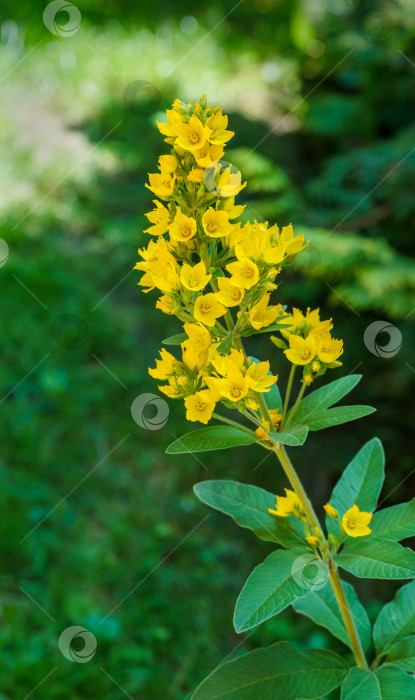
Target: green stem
column 233, row 423
column 297, row 486
column 333, row 575
column 294, row 408
column 287, row 395
column 348, row 619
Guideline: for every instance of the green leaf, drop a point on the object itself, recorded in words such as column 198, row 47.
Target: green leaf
column 213, row 438
column 375, row 558
column 387, row 683
column 361, row 683
column 226, row 344
column 395, row 523
column 280, row 672
column 321, row 606
column 248, row 506
column 402, row 654
column 396, row 619
column 175, row 339
column 336, row 416
column 360, row 483
column 324, row 397
column 275, row 584
column 295, row 435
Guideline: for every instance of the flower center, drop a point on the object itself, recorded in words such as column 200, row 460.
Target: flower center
column 247, row 272
column 201, row 406
column 236, row 391
column 194, row 137
column 205, row 308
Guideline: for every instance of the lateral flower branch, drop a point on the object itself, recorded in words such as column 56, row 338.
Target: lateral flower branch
column 217, row 275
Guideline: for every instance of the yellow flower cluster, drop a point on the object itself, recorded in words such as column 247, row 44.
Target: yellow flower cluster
column 216, row 274
column 310, row 343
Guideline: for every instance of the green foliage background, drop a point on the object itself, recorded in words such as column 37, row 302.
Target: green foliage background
column 321, row 98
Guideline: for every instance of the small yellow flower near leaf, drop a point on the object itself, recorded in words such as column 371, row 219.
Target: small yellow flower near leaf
column 200, row 406
column 287, row 505
column 331, row 512
column 313, row 540
column 355, row 522
column 276, row 418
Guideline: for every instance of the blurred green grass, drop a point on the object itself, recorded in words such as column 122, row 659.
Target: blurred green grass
column 107, row 507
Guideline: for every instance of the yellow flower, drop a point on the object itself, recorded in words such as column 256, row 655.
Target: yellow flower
column 355, row 522
column 233, row 387
column 171, row 391
column 217, row 123
column 165, row 367
column 216, row 223
column 223, row 365
column 194, row 278
column 193, row 135
column 195, row 175
column 200, row 406
column 173, row 120
column 259, row 374
column 287, row 505
column 207, row 309
column 230, row 182
column 160, row 217
column 166, row 304
column 168, row 164
column 328, row 348
column 313, row 540
column 244, row 272
column 261, row 315
column 183, row 227
column 208, row 154
column 228, row 294
column 302, row 350
column 276, row 418
column 291, row 244
column 164, row 273
column 331, row 512
column 162, row 184
column 233, row 210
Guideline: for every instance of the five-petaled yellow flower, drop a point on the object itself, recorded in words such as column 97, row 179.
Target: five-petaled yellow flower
column 216, row 223
column 244, row 272
column 200, row 406
column 302, row 350
column 183, row 227
column 194, row 277
column 355, row 522
column 207, row 309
